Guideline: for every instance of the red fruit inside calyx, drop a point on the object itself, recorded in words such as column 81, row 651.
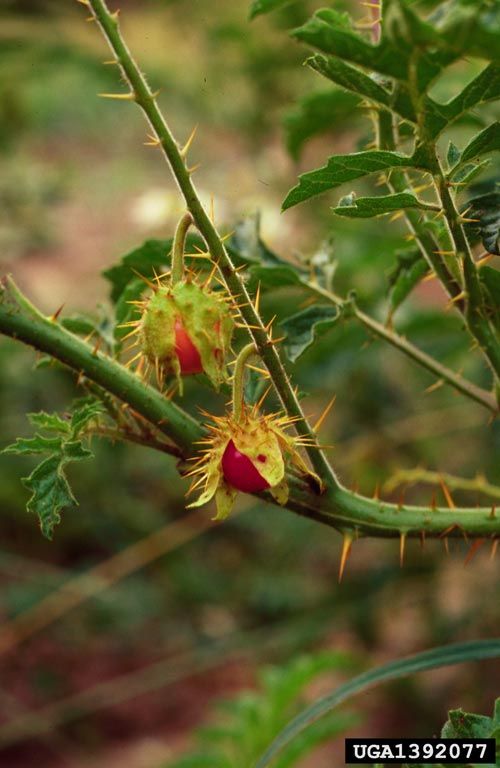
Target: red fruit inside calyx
column 240, row 472
column 187, row 354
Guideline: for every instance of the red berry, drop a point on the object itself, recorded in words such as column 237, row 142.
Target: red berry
column 187, row 354
column 240, row 472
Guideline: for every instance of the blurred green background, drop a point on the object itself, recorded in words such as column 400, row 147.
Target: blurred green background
column 78, row 189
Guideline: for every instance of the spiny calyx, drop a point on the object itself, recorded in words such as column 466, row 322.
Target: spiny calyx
column 249, row 453
column 186, row 329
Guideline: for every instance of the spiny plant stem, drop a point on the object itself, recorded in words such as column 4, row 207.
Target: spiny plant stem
column 446, row 268
column 477, row 322
column 338, row 507
column 398, row 181
column 443, row 373
column 20, row 320
column 179, row 247
column 478, row 484
column 239, row 379
column 142, row 94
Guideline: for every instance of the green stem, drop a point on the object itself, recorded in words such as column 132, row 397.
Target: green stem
column 179, row 247
column 443, row 373
column 239, row 379
column 337, row 507
column 477, row 323
column 142, row 94
column 398, row 181
column 50, row 337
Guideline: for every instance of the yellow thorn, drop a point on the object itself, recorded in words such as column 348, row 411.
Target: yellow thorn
column 193, row 168
column 437, row 384
column 119, row 96
column 473, row 549
column 494, row 548
column 484, row 260
column 402, row 544
column 346, row 549
column 185, row 148
column 446, row 493
column 132, row 361
column 458, row 297
column 83, row 2
column 148, row 282
column 56, row 314
column 153, row 141
column 444, row 253
column 324, row 414
column 397, row 215
column 430, row 276
column 446, row 545
column 212, row 209
column 257, row 299
column 376, row 492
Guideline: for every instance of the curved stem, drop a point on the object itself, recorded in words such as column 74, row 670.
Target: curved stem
column 50, row 337
column 467, row 388
column 179, row 247
column 239, row 379
column 145, row 98
column 337, row 507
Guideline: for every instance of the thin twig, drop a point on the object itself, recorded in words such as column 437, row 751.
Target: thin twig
column 141, row 93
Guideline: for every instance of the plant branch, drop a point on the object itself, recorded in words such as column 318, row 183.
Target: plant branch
column 31, row 327
column 338, row 507
column 477, row 322
column 141, row 93
column 418, row 475
column 467, row 388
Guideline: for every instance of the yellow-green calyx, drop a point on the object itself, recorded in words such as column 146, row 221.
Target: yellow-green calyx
column 258, row 439
column 203, row 315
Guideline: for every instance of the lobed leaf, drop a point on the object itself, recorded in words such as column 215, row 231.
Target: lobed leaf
column 366, row 207
column 343, row 168
column 302, row 328
column 33, row 445
column 50, row 493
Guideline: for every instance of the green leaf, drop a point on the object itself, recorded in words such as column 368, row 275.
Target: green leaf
column 343, row 168
column 50, row 493
column 366, row 207
column 331, row 32
column 272, row 277
column 316, row 113
column 302, row 328
column 259, row 7
column 82, row 416
column 354, row 80
column 51, row 422
column 483, row 88
column 437, row 657
column 462, row 176
column 453, row 155
column 486, row 209
column 407, row 274
column 485, row 142
column 48, row 483
column 33, row 445
column 462, row 725
column 153, row 254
